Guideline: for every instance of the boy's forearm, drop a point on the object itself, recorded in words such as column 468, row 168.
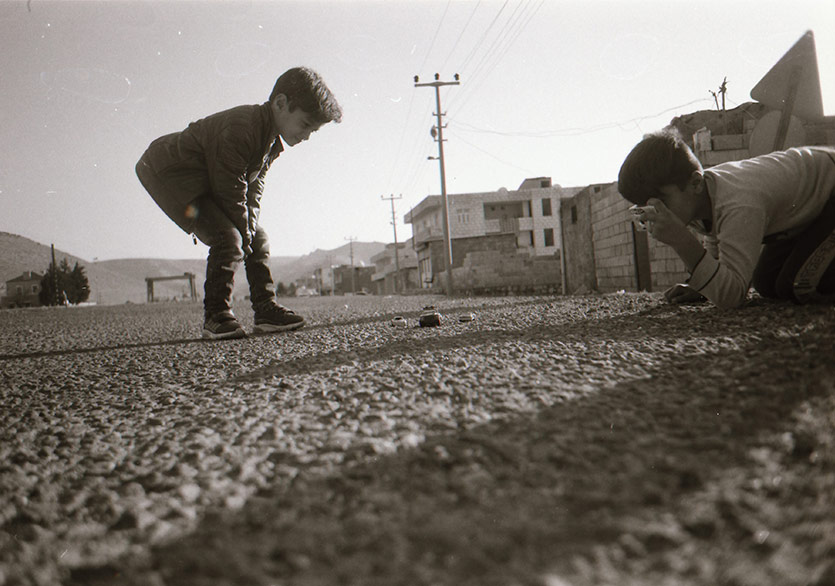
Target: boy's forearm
column 688, row 248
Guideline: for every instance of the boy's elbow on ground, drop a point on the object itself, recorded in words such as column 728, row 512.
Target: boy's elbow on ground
column 732, row 299
column 729, row 303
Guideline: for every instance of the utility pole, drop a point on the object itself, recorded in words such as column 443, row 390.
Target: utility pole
column 54, row 276
column 391, row 198
column 333, row 276
column 439, row 129
column 351, row 240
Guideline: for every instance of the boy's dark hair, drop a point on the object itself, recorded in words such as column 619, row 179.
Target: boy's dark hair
column 661, row 158
column 305, row 89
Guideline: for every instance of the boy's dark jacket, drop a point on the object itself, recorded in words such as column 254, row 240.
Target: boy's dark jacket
column 224, row 156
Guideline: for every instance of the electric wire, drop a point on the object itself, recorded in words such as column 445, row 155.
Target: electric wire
column 489, row 154
column 478, row 44
column 460, row 35
column 574, row 131
column 514, row 31
column 495, row 43
column 435, row 37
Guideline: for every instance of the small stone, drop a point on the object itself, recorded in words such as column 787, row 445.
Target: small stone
column 190, row 492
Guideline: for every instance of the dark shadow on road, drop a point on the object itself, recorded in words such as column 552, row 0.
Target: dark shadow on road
column 501, row 502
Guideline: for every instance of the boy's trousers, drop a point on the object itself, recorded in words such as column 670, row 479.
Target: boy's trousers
column 204, row 218
column 781, row 259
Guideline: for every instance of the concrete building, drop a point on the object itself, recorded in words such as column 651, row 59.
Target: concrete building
column 22, row 291
column 500, row 240
column 346, row 283
column 386, row 278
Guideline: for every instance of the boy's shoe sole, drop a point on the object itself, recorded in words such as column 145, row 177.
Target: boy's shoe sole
column 272, row 328
column 809, row 275
column 234, row 334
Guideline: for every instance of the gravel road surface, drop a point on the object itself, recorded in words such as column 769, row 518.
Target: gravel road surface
column 551, row 441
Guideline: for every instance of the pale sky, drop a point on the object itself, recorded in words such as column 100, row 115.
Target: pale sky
column 548, row 88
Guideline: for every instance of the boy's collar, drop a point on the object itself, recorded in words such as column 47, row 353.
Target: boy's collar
column 274, row 130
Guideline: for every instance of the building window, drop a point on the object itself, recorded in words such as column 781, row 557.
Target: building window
column 546, row 206
column 463, row 217
column 549, row 237
column 573, row 214
column 19, row 289
column 34, row 289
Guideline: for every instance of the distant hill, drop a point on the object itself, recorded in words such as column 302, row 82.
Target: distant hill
column 19, row 254
column 119, row 281
column 304, row 266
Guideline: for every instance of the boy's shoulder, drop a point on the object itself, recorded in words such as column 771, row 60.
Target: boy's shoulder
column 245, row 114
column 252, row 122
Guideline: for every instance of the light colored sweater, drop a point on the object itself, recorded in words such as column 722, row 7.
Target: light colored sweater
column 780, row 192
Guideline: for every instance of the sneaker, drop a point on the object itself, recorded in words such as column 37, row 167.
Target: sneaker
column 807, row 278
column 222, row 326
column 276, row 319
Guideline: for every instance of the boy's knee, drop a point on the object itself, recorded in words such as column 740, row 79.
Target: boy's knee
column 260, row 242
column 226, row 238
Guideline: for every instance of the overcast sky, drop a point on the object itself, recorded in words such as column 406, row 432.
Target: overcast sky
column 548, row 88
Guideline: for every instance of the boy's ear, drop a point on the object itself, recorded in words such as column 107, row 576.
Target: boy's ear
column 280, row 101
column 696, row 180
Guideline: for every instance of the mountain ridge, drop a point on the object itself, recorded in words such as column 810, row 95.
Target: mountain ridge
column 118, row 281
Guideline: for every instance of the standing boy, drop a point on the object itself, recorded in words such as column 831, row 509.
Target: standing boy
column 767, row 221
column 209, row 179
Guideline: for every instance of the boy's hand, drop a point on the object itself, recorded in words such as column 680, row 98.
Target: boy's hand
column 663, row 224
column 668, row 228
column 682, row 293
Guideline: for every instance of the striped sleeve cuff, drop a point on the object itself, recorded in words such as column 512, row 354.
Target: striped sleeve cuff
column 704, row 272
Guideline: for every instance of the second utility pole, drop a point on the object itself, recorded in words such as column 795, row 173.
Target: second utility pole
column 440, row 129
column 396, row 252
column 351, row 240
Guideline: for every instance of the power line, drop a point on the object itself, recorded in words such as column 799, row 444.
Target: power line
column 402, row 138
column 434, row 38
column 411, row 100
column 461, row 34
column 481, row 40
column 496, row 42
column 489, row 154
column 573, row 131
column 510, row 33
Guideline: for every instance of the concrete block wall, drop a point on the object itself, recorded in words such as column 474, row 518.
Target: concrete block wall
column 612, row 240
column 579, row 264
column 501, row 243
column 667, row 268
column 507, row 270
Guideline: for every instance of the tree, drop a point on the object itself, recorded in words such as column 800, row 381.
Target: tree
column 78, row 288
column 72, row 285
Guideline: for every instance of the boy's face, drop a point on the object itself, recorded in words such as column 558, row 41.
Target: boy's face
column 684, row 203
column 293, row 126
